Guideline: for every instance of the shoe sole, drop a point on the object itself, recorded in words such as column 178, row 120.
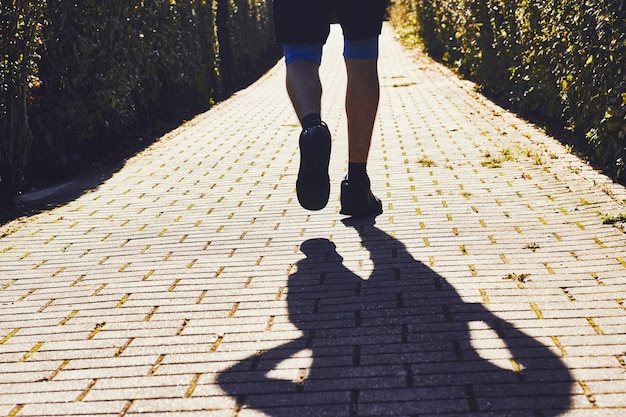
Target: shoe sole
column 313, row 183
column 362, row 213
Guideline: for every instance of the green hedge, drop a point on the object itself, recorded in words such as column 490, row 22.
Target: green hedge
column 564, row 60
column 81, row 74
column 21, row 25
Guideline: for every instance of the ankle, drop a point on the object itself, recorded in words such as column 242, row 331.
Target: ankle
column 357, row 172
column 310, row 120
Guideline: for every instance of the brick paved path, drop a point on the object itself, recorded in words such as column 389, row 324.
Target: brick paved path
column 192, row 283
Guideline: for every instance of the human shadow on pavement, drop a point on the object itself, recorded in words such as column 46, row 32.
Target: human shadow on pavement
column 395, row 344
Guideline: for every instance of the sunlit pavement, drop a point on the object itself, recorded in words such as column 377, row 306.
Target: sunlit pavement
column 192, row 283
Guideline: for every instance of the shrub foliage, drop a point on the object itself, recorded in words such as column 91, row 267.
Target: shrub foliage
column 562, row 59
column 79, row 74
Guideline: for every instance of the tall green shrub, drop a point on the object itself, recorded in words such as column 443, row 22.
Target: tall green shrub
column 78, row 75
column 246, row 37
column 21, row 23
column 115, row 64
column 563, row 59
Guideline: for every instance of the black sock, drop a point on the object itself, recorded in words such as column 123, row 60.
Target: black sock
column 310, row 120
column 357, row 171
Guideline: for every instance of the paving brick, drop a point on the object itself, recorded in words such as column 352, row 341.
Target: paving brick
column 78, row 408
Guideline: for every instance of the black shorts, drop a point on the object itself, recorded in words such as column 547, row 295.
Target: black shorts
column 308, row 21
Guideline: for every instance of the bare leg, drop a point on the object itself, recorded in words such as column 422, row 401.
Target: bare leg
column 304, row 87
column 362, row 97
column 305, row 91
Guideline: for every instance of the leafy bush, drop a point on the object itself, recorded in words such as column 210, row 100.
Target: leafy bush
column 80, row 75
column 21, row 24
column 564, row 60
column 246, row 34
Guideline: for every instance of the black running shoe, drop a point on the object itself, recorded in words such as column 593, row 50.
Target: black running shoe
column 313, row 183
column 357, row 199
